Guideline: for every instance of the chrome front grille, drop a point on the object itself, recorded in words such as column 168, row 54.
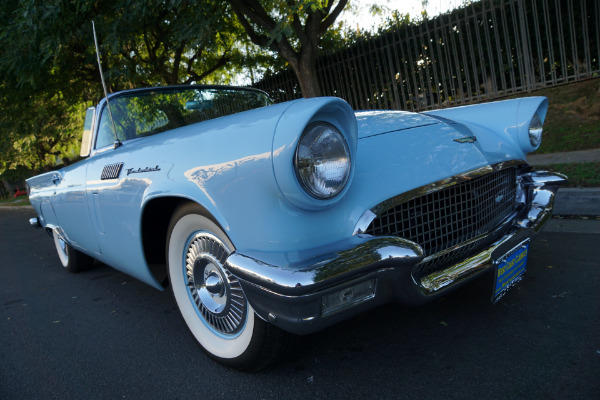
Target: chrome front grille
column 450, row 216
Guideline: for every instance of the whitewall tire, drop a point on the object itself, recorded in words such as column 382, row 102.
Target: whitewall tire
column 72, row 260
column 210, row 298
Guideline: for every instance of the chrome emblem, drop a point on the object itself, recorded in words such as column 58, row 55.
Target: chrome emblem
column 140, row 170
column 466, row 139
column 111, row 171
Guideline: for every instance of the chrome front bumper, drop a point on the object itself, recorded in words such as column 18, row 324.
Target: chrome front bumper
column 292, row 293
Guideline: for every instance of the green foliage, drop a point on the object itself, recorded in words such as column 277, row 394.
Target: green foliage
column 292, row 29
column 586, row 174
column 167, row 42
column 49, row 73
column 39, row 131
column 481, row 50
column 573, row 119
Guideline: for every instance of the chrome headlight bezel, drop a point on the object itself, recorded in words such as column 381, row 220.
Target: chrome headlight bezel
column 322, row 161
column 535, row 130
column 531, row 113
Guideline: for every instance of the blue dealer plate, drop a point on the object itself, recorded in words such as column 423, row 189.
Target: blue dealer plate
column 510, row 269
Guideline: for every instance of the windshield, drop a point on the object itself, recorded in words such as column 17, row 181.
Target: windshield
column 146, row 113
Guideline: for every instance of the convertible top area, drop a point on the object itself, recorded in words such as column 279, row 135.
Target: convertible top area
column 139, row 113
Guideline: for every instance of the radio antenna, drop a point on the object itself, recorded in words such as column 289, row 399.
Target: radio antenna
column 117, row 141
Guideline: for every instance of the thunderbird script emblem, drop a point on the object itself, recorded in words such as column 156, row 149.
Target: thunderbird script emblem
column 140, row 170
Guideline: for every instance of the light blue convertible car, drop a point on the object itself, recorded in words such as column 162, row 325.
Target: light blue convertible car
column 270, row 219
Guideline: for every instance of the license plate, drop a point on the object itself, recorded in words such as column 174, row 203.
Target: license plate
column 510, row 269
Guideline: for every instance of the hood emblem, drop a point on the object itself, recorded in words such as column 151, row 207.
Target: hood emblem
column 466, row 139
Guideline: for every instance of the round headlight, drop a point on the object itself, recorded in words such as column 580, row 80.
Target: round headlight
column 322, row 161
column 535, row 130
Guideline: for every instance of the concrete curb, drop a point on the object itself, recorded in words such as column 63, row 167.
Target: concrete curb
column 564, row 158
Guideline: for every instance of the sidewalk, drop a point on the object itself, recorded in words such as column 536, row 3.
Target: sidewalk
column 564, row 158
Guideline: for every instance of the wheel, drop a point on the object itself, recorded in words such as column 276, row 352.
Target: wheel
column 211, row 299
column 73, row 260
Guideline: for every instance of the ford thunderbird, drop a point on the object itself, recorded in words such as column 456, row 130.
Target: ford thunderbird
column 267, row 220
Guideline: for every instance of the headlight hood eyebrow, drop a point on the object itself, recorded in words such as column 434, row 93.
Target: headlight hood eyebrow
column 289, row 129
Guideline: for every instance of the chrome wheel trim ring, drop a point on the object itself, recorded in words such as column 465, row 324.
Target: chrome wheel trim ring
column 215, row 293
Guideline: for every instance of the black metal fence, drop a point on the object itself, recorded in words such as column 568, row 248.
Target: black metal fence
column 488, row 49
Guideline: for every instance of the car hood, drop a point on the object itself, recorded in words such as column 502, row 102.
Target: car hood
column 377, row 122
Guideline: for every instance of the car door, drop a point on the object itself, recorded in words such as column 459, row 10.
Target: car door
column 70, row 204
column 115, row 202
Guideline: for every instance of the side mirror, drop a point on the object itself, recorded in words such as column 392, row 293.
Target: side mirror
column 88, row 128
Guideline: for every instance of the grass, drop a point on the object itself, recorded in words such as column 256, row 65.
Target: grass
column 572, row 123
column 19, row 201
column 573, row 120
column 585, row 174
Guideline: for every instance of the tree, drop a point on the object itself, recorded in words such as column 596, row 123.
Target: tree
column 292, row 29
column 49, row 73
column 168, row 41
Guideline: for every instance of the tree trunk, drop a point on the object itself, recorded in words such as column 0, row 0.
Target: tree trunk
column 6, row 190
column 307, row 76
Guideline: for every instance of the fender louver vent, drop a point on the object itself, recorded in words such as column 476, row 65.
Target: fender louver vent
column 111, row 171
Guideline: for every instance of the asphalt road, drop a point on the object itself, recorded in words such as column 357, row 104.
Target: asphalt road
column 103, row 335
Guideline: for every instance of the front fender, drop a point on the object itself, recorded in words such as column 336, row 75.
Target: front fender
column 507, row 119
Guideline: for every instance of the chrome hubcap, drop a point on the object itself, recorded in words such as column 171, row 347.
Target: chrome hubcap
column 209, row 285
column 214, row 285
column 215, row 292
